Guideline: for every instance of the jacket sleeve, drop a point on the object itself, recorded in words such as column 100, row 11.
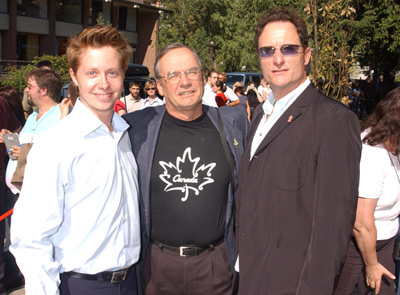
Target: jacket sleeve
column 335, row 201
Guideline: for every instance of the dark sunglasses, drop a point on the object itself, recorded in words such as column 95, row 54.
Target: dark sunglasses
column 150, row 89
column 287, row 50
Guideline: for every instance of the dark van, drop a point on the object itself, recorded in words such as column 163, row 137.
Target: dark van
column 138, row 73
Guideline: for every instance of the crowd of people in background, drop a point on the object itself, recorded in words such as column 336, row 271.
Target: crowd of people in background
column 312, row 210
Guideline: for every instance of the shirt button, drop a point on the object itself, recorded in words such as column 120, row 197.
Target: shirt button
column 125, row 218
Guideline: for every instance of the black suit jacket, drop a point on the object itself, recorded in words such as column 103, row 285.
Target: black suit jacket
column 297, row 199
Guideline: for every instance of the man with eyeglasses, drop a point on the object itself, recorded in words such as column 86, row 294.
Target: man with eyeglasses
column 152, row 100
column 299, row 174
column 133, row 101
column 43, row 92
column 188, row 156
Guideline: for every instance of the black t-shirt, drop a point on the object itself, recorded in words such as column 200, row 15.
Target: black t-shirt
column 189, row 183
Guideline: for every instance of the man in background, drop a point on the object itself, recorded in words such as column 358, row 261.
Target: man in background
column 209, row 95
column 133, row 101
column 43, row 91
column 28, row 108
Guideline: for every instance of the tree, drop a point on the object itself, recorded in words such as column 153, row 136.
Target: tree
column 376, row 42
column 331, row 60
column 16, row 76
column 195, row 23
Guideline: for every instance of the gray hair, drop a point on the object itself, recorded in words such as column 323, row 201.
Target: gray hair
column 168, row 48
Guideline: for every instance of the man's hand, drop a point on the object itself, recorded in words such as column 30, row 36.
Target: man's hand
column 65, row 106
column 374, row 275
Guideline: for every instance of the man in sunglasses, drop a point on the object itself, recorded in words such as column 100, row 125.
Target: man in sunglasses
column 299, row 173
column 188, row 155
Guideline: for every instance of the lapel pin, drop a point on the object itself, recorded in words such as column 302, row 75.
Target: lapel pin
column 235, row 143
column 290, row 119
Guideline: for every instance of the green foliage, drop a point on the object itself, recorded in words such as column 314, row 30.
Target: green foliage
column 331, row 50
column 100, row 20
column 341, row 33
column 376, row 41
column 16, row 75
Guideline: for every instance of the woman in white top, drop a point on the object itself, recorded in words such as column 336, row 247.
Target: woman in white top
column 369, row 262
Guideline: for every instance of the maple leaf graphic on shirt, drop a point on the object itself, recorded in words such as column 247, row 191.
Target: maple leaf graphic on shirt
column 186, row 175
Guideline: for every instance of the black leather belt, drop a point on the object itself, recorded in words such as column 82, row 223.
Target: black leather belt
column 109, row 276
column 186, row 251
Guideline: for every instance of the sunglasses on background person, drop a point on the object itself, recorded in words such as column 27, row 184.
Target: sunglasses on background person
column 287, row 50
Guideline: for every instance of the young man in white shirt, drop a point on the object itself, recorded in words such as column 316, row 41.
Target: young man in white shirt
column 76, row 224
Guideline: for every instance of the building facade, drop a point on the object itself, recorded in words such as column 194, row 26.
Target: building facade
column 32, row 28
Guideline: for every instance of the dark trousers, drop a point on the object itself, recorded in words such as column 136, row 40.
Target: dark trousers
column 167, row 273
column 73, row 286
column 353, row 272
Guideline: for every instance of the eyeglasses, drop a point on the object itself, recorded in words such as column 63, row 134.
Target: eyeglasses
column 151, row 88
column 31, row 87
column 192, row 74
column 287, row 50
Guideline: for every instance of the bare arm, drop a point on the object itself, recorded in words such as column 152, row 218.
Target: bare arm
column 248, row 110
column 121, row 112
column 365, row 234
column 234, row 103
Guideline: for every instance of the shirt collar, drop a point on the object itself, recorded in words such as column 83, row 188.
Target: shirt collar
column 88, row 121
column 285, row 101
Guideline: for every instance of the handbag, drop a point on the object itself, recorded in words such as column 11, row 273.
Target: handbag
column 18, row 176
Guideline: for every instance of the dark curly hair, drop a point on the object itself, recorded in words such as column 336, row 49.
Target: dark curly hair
column 384, row 123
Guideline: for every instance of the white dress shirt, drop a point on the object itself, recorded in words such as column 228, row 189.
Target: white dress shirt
column 155, row 103
column 209, row 97
column 230, row 94
column 78, row 208
column 131, row 104
column 273, row 111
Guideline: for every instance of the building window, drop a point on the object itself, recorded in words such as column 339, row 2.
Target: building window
column 28, row 46
column 127, row 18
column 97, row 8
column 62, row 43
column 3, row 6
column 69, row 11
column 32, row 8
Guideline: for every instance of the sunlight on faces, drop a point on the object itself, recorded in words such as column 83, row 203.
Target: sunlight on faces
column 99, row 78
column 284, row 73
column 185, row 96
column 33, row 91
column 213, row 79
column 134, row 90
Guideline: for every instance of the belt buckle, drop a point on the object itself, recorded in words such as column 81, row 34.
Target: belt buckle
column 181, row 250
column 119, row 276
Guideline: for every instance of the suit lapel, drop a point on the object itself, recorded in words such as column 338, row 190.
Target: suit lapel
column 147, row 136
column 288, row 118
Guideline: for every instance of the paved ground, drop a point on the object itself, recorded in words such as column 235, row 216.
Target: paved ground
column 18, row 292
